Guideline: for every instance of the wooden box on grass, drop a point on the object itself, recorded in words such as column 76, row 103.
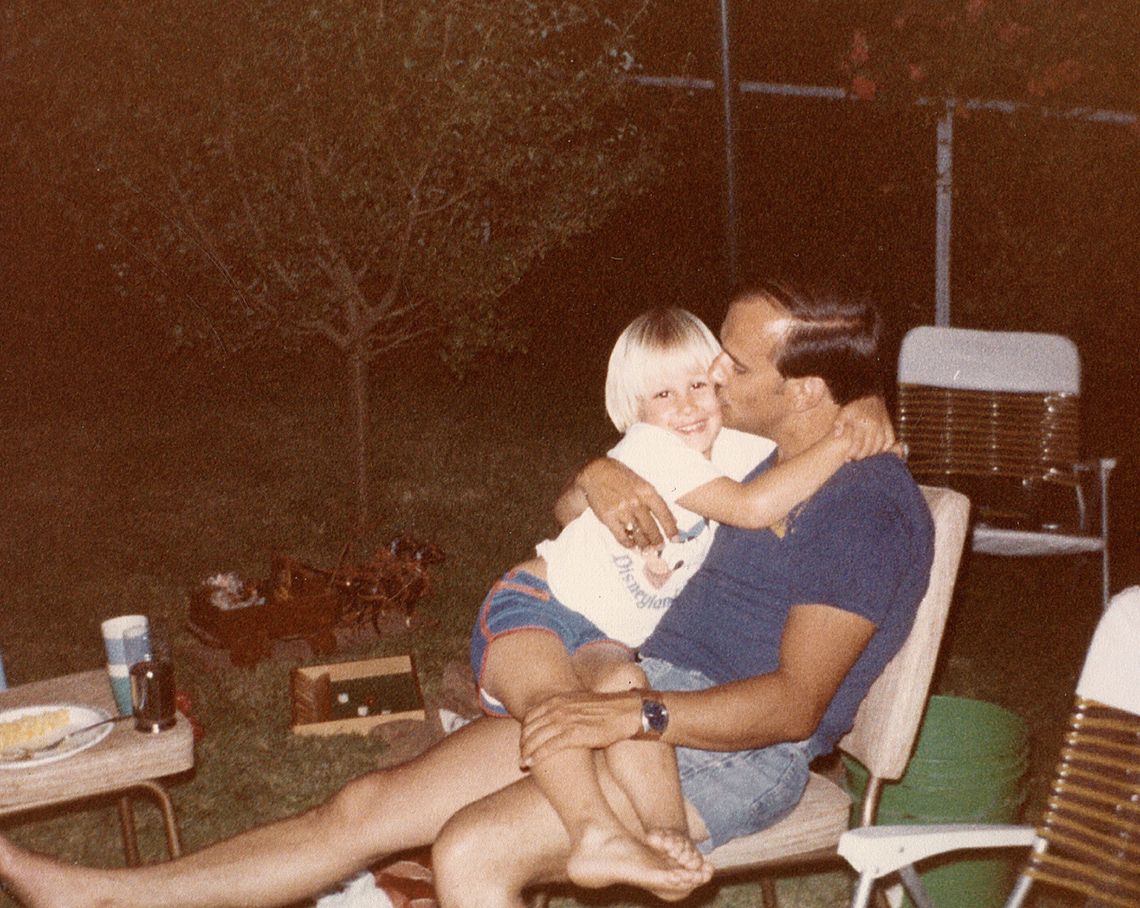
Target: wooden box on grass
column 354, row 697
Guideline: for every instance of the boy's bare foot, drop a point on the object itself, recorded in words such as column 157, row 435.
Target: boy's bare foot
column 605, row 857
column 680, row 848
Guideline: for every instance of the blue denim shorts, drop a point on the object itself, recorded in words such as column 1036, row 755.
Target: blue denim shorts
column 521, row 601
column 736, row 793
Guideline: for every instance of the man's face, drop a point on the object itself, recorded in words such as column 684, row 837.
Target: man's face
column 750, row 389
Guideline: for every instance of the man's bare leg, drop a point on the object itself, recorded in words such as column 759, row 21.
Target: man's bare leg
column 372, row 816
column 492, row 850
column 646, row 771
column 523, row 669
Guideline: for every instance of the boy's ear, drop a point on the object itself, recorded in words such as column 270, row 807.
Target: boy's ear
column 808, row 392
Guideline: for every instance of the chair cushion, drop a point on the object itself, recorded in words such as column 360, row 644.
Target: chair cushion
column 821, row 817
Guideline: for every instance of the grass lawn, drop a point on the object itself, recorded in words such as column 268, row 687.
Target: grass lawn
column 124, row 491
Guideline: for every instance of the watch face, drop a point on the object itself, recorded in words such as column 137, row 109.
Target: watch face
column 655, row 714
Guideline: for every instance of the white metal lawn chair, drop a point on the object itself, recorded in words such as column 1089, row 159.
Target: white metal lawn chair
column 989, row 412
column 1088, row 840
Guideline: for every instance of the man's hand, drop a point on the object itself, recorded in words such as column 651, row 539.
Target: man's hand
column 578, row 720
column 629, row 506
column 867, row 425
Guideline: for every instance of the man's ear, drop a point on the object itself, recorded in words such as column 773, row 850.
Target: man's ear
column 808, row 392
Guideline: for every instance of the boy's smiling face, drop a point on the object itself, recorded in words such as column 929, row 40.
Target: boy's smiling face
column 686, row 405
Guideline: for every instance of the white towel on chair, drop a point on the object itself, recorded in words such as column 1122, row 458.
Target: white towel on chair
column 359, row 892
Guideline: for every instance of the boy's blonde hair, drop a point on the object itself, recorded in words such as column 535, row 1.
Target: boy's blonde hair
column 657, row 344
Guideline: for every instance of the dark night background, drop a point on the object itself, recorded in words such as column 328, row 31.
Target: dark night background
column 826, row 187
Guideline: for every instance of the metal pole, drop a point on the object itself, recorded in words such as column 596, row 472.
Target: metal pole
column 728, row 91
column 945, row 154
column 945, row 204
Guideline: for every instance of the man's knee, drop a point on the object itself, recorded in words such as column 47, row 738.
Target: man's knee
column 618, row 677
column 482, row 859
column 449, row 855
column 463, row 874
column 358, row 803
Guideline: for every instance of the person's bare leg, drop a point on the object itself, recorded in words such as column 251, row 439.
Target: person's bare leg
column 645, row 770
column 521, row 670
column 492, row 850
column 374, row 815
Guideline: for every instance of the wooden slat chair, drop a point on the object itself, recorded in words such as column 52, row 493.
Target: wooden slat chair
column 885, row 729
column 1088, row 841
column 996, row 414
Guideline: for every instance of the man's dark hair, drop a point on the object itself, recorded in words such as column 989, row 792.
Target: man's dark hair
column 832, row 337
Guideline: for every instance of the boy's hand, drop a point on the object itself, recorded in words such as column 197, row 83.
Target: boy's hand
column 867, row 426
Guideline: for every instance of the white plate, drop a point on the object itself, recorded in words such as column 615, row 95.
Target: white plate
column 79, row 717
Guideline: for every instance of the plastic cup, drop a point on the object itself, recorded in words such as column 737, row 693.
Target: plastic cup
column 113, row 630
column 119, row 634
column 121, row 687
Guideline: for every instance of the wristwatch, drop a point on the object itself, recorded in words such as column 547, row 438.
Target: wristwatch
column 654, row 719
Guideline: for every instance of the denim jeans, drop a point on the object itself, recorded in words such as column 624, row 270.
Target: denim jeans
column 736, row 793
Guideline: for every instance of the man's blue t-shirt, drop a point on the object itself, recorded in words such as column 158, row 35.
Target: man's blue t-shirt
column 863, row 543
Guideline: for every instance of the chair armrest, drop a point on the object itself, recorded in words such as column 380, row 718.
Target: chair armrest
column 1102, row 465
column 1085, row 473
column 879, row 850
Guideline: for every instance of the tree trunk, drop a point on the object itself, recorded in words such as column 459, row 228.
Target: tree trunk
column 361, row 415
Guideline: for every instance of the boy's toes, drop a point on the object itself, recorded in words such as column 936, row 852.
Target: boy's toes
column 678, row 847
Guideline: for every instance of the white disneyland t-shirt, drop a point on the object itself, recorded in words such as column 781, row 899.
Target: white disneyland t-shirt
column 592, row 574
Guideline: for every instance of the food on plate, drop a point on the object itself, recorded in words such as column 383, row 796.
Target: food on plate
column 28, row 728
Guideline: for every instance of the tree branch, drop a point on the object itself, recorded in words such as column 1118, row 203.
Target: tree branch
column 398, row 339
column 157, row 268
column 198, row 237
column 253, row 222
column 323, row 328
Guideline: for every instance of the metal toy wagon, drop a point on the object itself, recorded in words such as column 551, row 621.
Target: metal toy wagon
column 297, row 601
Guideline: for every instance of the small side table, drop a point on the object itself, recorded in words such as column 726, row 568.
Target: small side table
column 125, row 763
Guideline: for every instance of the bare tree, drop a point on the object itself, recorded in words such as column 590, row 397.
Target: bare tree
column 364, row 174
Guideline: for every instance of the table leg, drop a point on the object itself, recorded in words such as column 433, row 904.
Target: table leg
column 173, row 840
column 127, row 821
column 130, row 835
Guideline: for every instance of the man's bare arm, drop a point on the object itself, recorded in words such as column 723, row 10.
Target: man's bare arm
column 571, row 503
column 620, row 498
column 820, row 645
